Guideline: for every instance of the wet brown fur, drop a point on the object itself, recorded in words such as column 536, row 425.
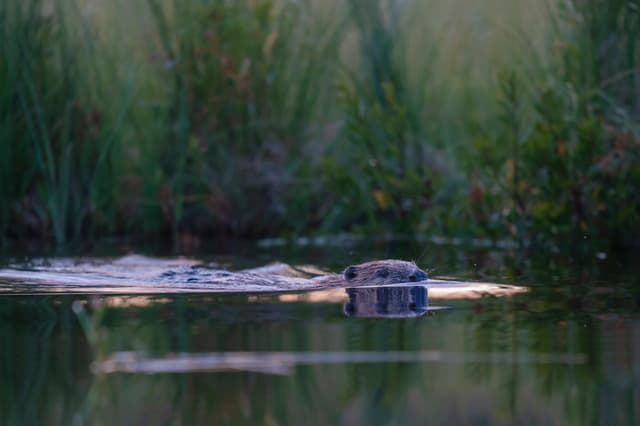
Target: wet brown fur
column 377, row 272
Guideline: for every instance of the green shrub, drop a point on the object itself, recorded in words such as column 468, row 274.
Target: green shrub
column 568, row 167
column 245, row 92
column 388, row 175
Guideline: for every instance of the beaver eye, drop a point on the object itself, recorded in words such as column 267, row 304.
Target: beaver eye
column 412, row 278
column 382, row 273
column 350, row 273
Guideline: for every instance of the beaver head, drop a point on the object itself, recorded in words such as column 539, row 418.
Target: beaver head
column 380, row 272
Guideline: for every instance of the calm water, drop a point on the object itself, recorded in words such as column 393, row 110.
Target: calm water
column 565, row 353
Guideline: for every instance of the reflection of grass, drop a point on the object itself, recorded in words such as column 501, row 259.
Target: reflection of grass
column 370, row 393
column 56, row 374
column 43, row 355
column 555, row 320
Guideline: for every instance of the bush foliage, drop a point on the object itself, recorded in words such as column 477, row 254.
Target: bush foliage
column 276, row 117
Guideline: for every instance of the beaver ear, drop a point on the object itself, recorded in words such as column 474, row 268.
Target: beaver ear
column 350, row 273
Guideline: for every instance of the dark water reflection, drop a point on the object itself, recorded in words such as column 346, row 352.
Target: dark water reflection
column 386, row 302
column 494, row 367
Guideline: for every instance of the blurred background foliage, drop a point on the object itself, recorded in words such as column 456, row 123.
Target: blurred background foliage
column 274, row 117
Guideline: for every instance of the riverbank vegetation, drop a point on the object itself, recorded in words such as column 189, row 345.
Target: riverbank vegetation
column 271, row 117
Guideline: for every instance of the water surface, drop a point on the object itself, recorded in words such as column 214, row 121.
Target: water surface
column 565, row 353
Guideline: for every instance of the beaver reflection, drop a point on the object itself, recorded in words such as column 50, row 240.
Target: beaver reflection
column 386, row 302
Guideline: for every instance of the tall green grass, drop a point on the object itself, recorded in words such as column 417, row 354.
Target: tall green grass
column 55, row 147
column 243, row 104
column 210, row 117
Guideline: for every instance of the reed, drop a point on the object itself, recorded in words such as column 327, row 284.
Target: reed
column 55, row 147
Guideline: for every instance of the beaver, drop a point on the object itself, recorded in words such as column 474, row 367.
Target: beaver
column 374, row 273
column 144, row 274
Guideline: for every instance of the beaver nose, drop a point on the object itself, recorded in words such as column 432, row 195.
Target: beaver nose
column 419, row 275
